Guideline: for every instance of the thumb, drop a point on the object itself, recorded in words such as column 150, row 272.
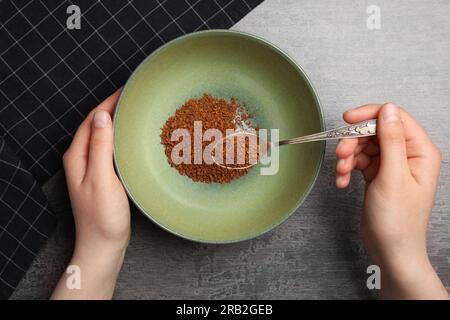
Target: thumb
column 100, row 162
column 391, row 137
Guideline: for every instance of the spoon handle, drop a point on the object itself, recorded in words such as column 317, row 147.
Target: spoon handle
column 357, row 130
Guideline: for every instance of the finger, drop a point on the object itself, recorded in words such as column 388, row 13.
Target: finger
column 346, row 147
column 342, row 181
column 100, row 160
column 76, row 156
column 360, row 147
column 110, row 103
column 345, row 165
column 362, row 113
column 422, row 153
column 391, row 136
column 80, row 141
column 361, row 162
column 371, row 171
column 419, row 143
column 371, row 148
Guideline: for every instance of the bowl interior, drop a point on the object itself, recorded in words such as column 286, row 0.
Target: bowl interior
column 225, row 64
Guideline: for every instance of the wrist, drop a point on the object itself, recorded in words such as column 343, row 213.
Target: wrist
column 396, row 256
column 97, row 265
column 410, row 278
column 405, row 267
column 95, row 243
column 98, row 269
column 405, row 262
column 106, row 254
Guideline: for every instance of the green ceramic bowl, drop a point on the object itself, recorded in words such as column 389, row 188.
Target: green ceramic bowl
column 226, row 64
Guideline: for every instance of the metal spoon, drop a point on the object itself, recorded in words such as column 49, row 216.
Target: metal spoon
column 362, row 129
column 357, row 130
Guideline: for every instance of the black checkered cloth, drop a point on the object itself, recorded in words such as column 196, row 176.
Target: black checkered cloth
column 50, row 78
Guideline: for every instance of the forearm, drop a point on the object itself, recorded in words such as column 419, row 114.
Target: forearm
column 98, row 272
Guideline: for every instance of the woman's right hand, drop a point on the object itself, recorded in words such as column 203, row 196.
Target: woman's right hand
column 401, row 168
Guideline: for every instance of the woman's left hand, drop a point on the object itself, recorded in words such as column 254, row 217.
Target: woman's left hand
column 99, row 204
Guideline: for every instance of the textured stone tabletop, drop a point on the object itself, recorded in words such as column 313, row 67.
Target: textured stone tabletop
column 318, row 252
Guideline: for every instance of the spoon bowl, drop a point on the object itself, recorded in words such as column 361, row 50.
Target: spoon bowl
column 358, row 130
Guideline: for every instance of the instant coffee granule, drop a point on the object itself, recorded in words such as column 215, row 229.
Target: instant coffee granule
column 214, row 113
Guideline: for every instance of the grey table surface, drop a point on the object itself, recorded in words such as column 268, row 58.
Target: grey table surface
column 318, row 253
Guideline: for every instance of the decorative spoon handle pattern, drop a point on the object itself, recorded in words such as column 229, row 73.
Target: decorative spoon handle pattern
column 361, row 129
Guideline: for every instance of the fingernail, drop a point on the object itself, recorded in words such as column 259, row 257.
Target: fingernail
column 100, row 119
column 340, row 162
column 339, row 180
column 391, row 113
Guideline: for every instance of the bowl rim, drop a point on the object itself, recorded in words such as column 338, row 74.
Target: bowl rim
column 279, row 51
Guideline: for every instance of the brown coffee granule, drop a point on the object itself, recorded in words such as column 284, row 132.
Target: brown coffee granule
column 214, row 113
